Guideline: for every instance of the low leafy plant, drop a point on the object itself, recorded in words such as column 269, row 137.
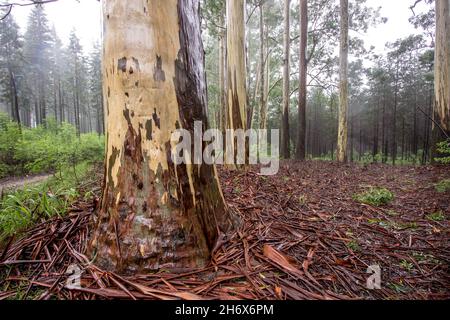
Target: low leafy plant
column 375, row 197
column 443, row 186
column 398, row 287
column 436, row 216
column 444, row 149
column 408, row 266
column 22, row 208
column 353, row 245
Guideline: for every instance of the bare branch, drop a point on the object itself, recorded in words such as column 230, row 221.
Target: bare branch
column 10, row 6
column 414, row 6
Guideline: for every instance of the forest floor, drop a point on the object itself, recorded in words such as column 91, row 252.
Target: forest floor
column 303, row 236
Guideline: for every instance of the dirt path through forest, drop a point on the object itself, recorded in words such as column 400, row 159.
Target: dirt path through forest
column 18, row 182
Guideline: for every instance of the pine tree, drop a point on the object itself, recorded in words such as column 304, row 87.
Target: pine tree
column 10, row 64
column 37, row 53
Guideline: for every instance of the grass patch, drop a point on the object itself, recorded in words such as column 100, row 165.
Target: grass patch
column 375, row 197
column 398, row 287
column 423, row 258
column 443, row 186
column 22, row 208
column 436, row 216
column 393, row 224
column 353, row 245
column 408, row 266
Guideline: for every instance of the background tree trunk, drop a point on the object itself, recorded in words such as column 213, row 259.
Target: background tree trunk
column 236, row 67
column 262, row 63
column 442, row 63
column 343, row 86
column 285, row 152
column 222, row 91
column 301, row 136
column 154, row 213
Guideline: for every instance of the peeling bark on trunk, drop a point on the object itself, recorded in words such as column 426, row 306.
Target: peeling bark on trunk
column 442, row 64
column 343, row 86
column 236, row 67
column 285, row 140
column 154, row 214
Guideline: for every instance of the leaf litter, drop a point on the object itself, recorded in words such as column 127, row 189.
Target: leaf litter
column 303, row 236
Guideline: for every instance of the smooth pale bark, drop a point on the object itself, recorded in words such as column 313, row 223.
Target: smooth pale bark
column 442, row 64
column 154, row 214
column 343, row 86
column 263, row 69
column 300, row 153
column 222, row 91
column 285, row 137
column 263, row 123
column 236, row 67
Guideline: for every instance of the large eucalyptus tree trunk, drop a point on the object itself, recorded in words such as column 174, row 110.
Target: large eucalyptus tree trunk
column 442, row 63
column 285, row 138
column 236, row 67
column 154, row 213
column 343, row 86
column 301, row 136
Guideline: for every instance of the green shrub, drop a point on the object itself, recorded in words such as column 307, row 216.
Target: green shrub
column 443, row 186
column 436, row 216
column 9, row 137
column 375, row 197
column 444, row 149
column 48, row 148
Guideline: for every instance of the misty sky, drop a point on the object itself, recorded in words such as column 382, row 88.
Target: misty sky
column 85, row 17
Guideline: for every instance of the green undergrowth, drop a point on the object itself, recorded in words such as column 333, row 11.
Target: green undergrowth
column 22, row 208
column 47, row 148
column 443, row 186
column 375, row 197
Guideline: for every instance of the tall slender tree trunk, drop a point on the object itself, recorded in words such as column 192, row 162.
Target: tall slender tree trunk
column 236, row 68
column 154, row 213
column 99, row 119
column 403, row 139
column 15, row 99
column 442, row 64
column 300, row 153
column 263, row 123
column 262, row 62
column 37, row 112
column 429, row 131
column 383, row 129
column 352, row 136
column 285, row 137
column 222, row 58
column 394, row 118
column 63, row 111
column 376, row 129
column 343, row 85
column 414, row 135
